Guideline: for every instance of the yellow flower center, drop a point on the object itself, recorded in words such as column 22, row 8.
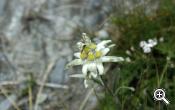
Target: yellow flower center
column 98, row 54
column 88, row 52
column 92, row 46
column 91, row 56
column 83, row 55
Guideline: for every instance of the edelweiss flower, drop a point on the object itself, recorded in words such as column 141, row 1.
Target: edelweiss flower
column 146, row 46
column 92, row 56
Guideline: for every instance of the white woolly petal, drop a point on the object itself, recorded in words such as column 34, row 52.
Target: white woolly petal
column 77, row 54
column 85, row 83
column 99, row 48
column 102, row 44
column 84, row 34
column 85, row 69
column 105, row 51
column 74, row 63
column 111, row 46
column 89, row 67
column 111, row 59
column 100, row 68
column 80, row 45
column 86, row 38
column 92, row 67
column 94, row 74
column 77, row 76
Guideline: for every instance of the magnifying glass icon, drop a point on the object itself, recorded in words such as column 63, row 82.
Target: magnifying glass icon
column 159, row 94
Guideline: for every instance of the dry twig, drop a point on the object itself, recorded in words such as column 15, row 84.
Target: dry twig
column 49, row 68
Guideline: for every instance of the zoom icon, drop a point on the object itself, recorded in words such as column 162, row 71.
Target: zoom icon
column 159, row 94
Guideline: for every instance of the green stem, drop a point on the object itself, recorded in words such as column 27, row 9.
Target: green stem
column 124, row 87
column 163, row 73
column 106, row 87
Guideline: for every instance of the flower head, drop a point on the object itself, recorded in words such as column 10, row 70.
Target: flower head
column 146, row 46
column 92, row 56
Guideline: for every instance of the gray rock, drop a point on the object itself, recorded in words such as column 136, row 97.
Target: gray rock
column 91, row 21
column 103, row 34
column 15, row 14
column 6, row 104
column 58, row 74
column 2, row 6
column 95, row 3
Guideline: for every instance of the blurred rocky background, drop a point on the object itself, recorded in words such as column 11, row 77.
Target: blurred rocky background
column 37, row 39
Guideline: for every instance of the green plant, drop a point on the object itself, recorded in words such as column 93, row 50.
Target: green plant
column 146, row 71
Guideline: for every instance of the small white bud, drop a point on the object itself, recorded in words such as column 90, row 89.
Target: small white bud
column 128, row 59
column 128, row 52
column 161, row 39
column 168, row 58
column 132, row 48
